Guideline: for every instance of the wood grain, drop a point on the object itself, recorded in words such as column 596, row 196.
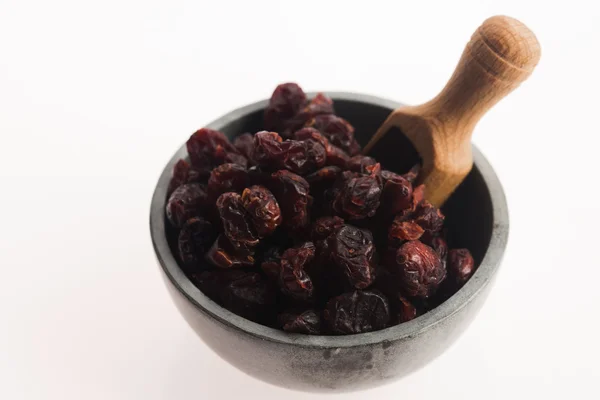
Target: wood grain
column 501, row 54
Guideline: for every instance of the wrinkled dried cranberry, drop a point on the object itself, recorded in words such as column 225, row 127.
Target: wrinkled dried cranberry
column 179, row 176
column 439, row 245
column 358, row 196
column 460, row 265
column 337, row 157
column 208, row 148
column 357, row 312
column 293, row 279
column 429, row 216
column 223, row 255
column 413, row 173
column 404, row 309
column 326, row 175
column 311, row 133
column 354, row 148
column 419, row 269
column 245, row 145
column 244, row 293
column 352, row 251
column 402, row 231
column 271, row 262
column 262, row 208
column 195, row 238
column 185, row 202
column 227, row 178
column 236, row 222
column 297, row 156
column 360, row 163
column 337, row 130
column 291, row 191
column 286, row 101
column 308, row 322
column 325, row 226
column 396, row 196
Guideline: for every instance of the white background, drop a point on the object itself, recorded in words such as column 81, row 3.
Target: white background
column 96, row 96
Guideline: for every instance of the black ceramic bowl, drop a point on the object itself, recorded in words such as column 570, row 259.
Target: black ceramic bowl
column 476, row 217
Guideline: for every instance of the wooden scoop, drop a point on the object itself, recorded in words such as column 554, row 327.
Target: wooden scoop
column 502, row 53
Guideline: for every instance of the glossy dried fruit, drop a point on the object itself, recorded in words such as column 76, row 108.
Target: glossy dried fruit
column 227, row 178
column 222, row 254
column 179, row 176
column 461, row 265
column 208, row 148
column 195, row 238
column 293, row 279
column 325, row 226
column 337, row 130
column 245, row 145
column 263, row 209
column 271, row 262
column 352, row 250
column 402, row 231
column 404, row 309
column 361, row 163
column 308, row 322
column 236, row 222
column 291, row 192
column 357, row 312
column 185, row 202
column 286, row 101
column 429, row 217
column 438, row 244
column 325, row 175
column 297, row 156
column 397, row 195
column 358, row 196
column 419, row 269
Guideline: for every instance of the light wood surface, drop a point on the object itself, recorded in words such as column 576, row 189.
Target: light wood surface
column 501, row 54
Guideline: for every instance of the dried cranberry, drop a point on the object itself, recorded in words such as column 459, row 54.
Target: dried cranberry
column 402, row 231
column 337, row 130
column 179, row 176
column 227, row 178
column 419, row 269
column 236, row 222
column 396, row 196
column 195, row 238
column 358, row 196
column 428, row 216
column 461, row 265
column 208, row 148
column 291, row 191
column 298, row 156
column 325, row 226
column 185, row 202
column 361, row 163
column 223, row 255
column 286, row 101
column 404, row 309
column 357, row 312
column 311, row 133
column 271, row 262
column 245, row 145
column 337, row 157
column 262, row 208
column 293, row 279
column 352, row 251
column 308, row 322
column 326, row 175
column 440, row 246
column 354, row 148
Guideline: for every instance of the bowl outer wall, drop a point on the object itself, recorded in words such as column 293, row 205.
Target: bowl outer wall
column 318, row 363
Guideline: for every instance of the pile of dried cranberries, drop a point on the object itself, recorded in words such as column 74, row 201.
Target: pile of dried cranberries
column 291, row 227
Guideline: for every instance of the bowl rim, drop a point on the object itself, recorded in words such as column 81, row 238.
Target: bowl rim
column 480, row 279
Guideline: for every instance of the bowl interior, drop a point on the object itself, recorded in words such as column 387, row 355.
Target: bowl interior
column 469, row 214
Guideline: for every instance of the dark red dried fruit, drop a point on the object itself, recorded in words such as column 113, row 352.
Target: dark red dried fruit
column 179, row 176
column 244, row 293
column 324, row 175
column 352, row 251
column 358, row 196
column 404, row 309
column 293, row 279
column 402, row 231
column 236, row 222
column 440, row 246
column 271, row 263
column 429, row 217
column 185, row 202
column 245, row 145
column 286, row 101
column 337, row 157
column 413, row 174
column 208, row 148
column 461, row 265
column 227, row 178
column 337, row 130
column 354, row 148
column 195, row 238
column 360, row 163
column 291, row 191
column 357, row 312
column 325, row 226
column 311, row 133
column 263, row 209
column 297, row 156
column 223, row 255
column 397, row 195
column 419, row 269
column 308, row 322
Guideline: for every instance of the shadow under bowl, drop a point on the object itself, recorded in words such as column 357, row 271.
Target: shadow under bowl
column 476, row 218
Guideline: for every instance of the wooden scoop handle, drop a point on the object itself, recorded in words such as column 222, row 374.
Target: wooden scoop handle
column 501, row 54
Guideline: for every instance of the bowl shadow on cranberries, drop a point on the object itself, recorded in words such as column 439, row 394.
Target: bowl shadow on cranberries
column 476, row 218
